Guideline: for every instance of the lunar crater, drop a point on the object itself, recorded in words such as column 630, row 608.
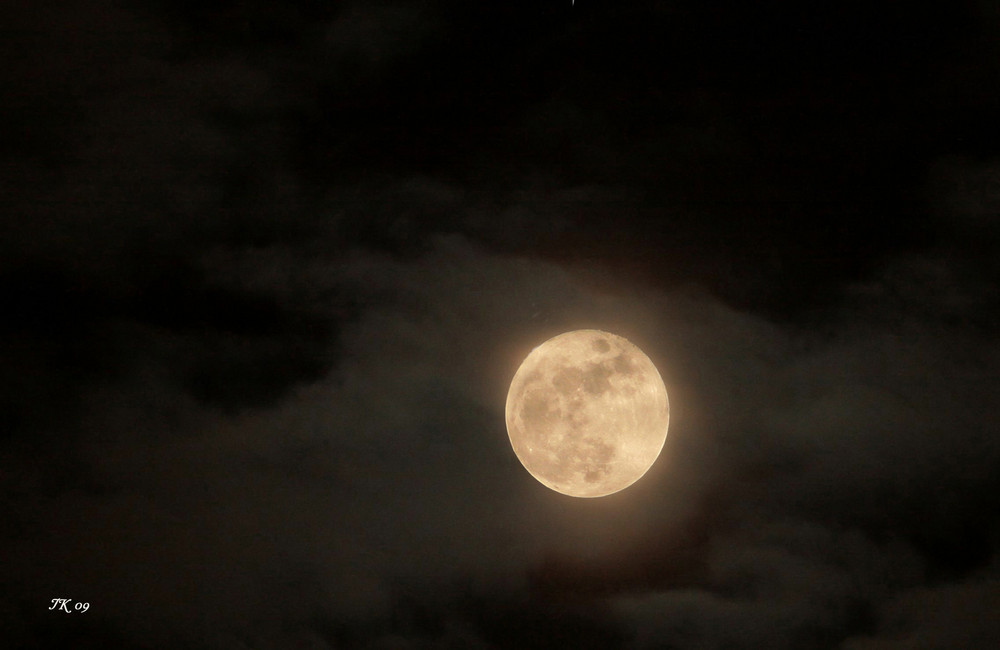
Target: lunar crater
column 595, row 381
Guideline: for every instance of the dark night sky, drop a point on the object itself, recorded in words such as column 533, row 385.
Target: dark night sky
column 267, row 268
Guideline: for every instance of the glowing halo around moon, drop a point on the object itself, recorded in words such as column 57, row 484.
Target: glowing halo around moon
column 587, row 413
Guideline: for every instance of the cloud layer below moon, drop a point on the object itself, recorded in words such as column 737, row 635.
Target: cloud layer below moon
column 802, row 492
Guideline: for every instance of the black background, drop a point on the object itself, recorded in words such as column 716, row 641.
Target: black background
column 266, row 270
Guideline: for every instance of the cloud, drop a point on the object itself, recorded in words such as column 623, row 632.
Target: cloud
column 950, row 616
column 378, row 34
column 814, row 462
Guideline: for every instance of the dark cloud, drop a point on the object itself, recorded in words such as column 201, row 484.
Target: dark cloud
column 801, row 482
column 953, row 616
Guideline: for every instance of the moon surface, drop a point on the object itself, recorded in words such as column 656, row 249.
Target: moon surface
column 587, row 413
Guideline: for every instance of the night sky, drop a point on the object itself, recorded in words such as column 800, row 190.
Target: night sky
column 267, row 270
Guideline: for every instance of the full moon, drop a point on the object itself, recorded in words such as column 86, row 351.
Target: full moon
column 587, row 413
